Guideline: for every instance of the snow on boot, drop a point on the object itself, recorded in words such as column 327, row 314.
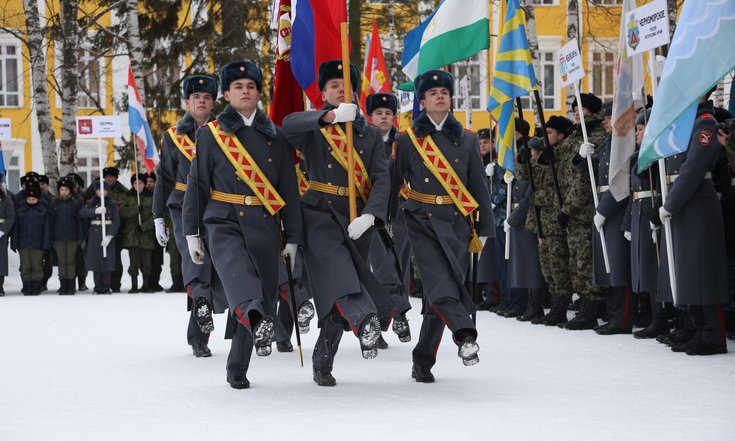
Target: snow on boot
column 263, row 336
column 369, row 335
column 468, row 349
column 322, row 378
column 401, row 328
column 203, row 314
column 304, row 315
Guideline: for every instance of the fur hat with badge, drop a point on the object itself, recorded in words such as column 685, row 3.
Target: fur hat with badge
column 138, row 177
column 238, row 70
column 589, row 101
column 332, row 70
column 381, row 101
column 67, row 182
column 110, row 171
column 560, row 124
column 199, row 84
column 431, row 79
column 33, row 191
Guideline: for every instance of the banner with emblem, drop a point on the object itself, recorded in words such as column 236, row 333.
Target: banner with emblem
column 647, row 27
column 375, row 76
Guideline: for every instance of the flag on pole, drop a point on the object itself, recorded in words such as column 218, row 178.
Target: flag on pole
column 139, row 126
column 375, row 76
column 513, row 77
column 288, row 97
column 2, row 164
column 705, row 27
column 315, row 39
column 456, row 30
column 627, row 98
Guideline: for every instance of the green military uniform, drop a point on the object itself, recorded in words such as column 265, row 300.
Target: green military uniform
column 138, row 235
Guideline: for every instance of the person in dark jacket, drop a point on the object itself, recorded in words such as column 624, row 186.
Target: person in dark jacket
column 157, row 256
column 102, row 265
column 81, row 266
column 32, row 236
column 138, row 233
column 67, row 233
column 7, row 220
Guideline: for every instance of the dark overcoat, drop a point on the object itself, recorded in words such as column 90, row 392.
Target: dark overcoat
column 94, row 259
column 524, row 266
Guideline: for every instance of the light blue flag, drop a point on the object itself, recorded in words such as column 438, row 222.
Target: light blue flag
column 702, row 52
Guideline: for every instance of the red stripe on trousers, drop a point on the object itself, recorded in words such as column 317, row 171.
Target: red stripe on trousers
column 346, row 319
column 241, row 317
column 446, row 322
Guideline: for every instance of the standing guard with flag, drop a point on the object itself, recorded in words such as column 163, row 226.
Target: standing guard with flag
column 177, row 151
column 242, row 185
column 441, row 162
column 346, row 293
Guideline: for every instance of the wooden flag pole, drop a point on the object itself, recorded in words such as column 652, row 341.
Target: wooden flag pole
column 348, row 124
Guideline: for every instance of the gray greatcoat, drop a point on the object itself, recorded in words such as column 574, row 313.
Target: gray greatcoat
column 524, row 267
column 243, row 240
column 338, row 265
column 439, row 234
column 618, row 247
column 696, row 225
column 7, row 219
column 174, row 167
column 94, row 259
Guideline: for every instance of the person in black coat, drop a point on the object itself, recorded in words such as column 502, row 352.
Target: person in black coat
column 102, row 265
column 81, row 266
column 32, row 236
column 67, row 233
column 7, row 220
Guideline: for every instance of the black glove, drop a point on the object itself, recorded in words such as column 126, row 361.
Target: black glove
column 563, row 219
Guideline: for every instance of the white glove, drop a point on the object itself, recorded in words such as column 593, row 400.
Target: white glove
column 653, row 226
column 599, row 221
column 2, row 233
column 100, row 210
column 627, row 235
column 290, row 251
column 663, row 214
column 161, row 231
column 360, row 225
column 492, row 205
column 506, row 226
column 490, row 170
column 654, row 236
column 586, row 149
column 106, row 241
column 196, row 249
column 345, row 112
column 508, row 178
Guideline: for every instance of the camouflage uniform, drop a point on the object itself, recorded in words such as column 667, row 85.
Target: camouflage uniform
column 138, row 238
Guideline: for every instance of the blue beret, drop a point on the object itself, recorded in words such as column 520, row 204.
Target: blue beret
column 431, row 79
column 330, row 70
column 381, row 100
column 240, row 69
column 199, row 84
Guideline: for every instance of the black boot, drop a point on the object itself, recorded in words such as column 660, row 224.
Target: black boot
column 322, row 378
column 284, row 346
column 203, row 314
column 2, row 290
column 82, row 284
column 325, row 349
column 24, row 289
column 34, row 287
column 238, row 381
column 369, row 335
column 146, row 288
column 40, row 287
column 645, row 313
column 586, row 318
column 683, row 333
column 134, row 285
column 534, row 309
column 64, row 287
column 557, row 314
column 658, row 326
column 177, row 285
column 422, row 374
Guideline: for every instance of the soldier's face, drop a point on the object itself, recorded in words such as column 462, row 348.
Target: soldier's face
column 43, row 186
column 139, row 186
column 110, row 179
column 607, row 124
column 150, row 184
column 486, row 146
column 555, row 137
column 383, row 118
column 200, row 105
column 334, row 92
column 64, row 192
column 576, row 114
column 243, row 95
column 436, row 100
column 639, row 130
column 31, row 200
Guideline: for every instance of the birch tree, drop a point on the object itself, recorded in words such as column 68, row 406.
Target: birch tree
column 135, row 46
column 69, row 85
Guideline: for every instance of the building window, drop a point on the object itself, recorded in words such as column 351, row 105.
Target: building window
column 607, row 2
column 602, row 78
column 545, row 2
column 91, row 81
column 11, row 75
column 548, row 84
column 474, row 68
column 88, row 168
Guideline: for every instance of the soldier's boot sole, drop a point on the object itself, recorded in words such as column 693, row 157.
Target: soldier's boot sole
column 401, row 328
column 468, row 350
column 304, row 315
column 203, row 315
column 263, row 336
column 369, row 335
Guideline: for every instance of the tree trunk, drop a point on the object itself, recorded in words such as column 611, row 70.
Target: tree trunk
column 355, row 30
column 69, row 85
column 39, row 80
column 572, row 32
column 135, row 46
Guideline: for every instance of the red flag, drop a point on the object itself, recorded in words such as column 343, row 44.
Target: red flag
column 287, row 94
column 375, row 77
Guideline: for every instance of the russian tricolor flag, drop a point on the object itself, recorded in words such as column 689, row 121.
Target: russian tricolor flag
column 315, row 39
column 139, row 126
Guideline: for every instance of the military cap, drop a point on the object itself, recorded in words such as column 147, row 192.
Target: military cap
column 484, row 133
column 330, row 70
column 33, row 175
column 560, row 124
column 198, row 84
column 67, row 182
column 536, row 143
column 33, row 191
column 431, row 79
column 43, row 179
column 640, row 119
column 381, row 100
column 607, row 108
column 722, row 114
column 152, row 175
column 138, row 177
column 110, row 171
column 523, row 126
column 238, row 70
column 589, row 101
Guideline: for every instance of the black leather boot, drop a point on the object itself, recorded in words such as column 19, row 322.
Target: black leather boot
column 558, row 312
column 134, row 285
column 534, row 309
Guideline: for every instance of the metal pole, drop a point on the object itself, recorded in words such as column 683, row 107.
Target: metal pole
column 102, row 196
column 137, row 170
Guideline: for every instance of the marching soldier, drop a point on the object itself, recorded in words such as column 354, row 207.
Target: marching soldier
column 102, row 267
column 138, row 233
column 441, row 162
column 695, row 217
column 242, row 187
column 346, row 293
column 578, row 209
column 7, row 220
column 177, row 151
column 67, row 233
column 391, row 267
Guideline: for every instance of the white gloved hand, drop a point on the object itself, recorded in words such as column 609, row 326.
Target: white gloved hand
column 196, row 249
column 161, row 231
column 599, row 221
column 490, row 169
column 2, row 233
column 508, row 178
column 106, row 241
column 654, row 236
column 586, row 149
column 360, row 225
column 663, row 214
column 345, row 112
column 100, row 210
column 506, row 226
column 290, row 251
column 492, row 205
column 627, row 235
column 483, row 239
column 653, row 226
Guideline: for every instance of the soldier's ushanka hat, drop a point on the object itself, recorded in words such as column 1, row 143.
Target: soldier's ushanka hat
column 110, row 171
column 431, row 79
column 589, row 101
column 199, row 84
column 560, row 124
column 332, row 69
column 381, row 101
column 238, row 70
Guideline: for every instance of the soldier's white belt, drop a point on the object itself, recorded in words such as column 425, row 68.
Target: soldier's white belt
column 671, row 178
column 603, row 188
column 180, row 186
column 334, row 190
column 430, row 198
column 644, row 194
column 237, row 199
column 96, row 222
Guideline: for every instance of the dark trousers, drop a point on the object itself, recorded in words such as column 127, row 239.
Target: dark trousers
column 709, row 323
column 117, row 274
column 102, row 281
column 31, row 264
column 156, row 265
column 330, row 334
column 241, row 348
column 501, row 264
column 81, row 266
column 621, row 305
column 194, row 335
column 48, row 265
column 284, row 323
column 444, row 312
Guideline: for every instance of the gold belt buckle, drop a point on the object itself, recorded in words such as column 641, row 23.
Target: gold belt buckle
column 341, row 191
column 248, row 200
column 439, row 200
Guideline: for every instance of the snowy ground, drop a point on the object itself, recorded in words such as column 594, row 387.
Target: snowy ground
column 118, row 368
